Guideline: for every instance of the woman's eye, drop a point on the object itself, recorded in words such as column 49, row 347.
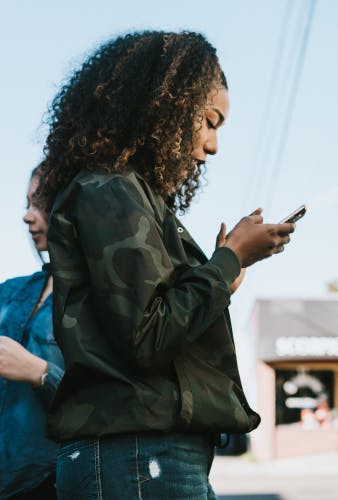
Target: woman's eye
column 30, row 206
column 210, row 124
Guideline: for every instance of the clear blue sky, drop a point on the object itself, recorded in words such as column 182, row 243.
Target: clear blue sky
column 274, row 107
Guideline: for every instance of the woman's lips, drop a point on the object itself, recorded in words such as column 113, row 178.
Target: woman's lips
column 36, row 234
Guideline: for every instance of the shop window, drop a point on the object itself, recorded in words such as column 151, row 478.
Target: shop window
column 305, row 398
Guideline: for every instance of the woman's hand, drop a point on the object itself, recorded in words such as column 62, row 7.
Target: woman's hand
column 251, row 240
column 16, row 363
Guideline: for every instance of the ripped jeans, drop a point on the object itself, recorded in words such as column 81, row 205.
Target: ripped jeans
column 143, row 466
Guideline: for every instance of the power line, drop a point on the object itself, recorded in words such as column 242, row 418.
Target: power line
column 277, row 115
column 290, row 105
column 263, row 135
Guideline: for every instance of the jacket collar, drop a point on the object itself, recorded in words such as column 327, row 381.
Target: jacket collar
column 189, row 242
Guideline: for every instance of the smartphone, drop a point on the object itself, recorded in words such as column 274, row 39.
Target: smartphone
column 295, row 215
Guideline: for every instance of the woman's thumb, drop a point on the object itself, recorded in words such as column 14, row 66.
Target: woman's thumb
column 258, row 211
column 221, row 237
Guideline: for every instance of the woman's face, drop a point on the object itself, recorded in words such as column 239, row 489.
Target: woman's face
column 36, row 220
column 214, row 115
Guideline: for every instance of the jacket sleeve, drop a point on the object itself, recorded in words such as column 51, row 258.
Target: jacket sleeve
column 150, row 310
column 48, row 389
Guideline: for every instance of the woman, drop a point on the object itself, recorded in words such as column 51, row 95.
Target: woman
column 140, row 313
column 31, row 367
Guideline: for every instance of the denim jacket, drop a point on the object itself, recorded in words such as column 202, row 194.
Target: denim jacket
column 27, row 457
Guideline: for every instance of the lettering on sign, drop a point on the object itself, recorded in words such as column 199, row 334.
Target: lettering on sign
column 306, row 346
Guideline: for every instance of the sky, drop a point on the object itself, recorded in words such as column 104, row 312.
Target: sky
column 277, row 150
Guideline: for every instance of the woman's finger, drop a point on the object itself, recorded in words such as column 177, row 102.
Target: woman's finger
column 221, row 237
column 258, row 211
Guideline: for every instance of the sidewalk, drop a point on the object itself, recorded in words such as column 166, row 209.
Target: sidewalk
column 311, row 477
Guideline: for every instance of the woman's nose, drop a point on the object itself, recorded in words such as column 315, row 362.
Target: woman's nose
column 29, row 216
column 210, row 146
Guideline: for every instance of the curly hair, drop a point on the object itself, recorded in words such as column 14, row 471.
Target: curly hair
column 37, row 173
column 134, row 101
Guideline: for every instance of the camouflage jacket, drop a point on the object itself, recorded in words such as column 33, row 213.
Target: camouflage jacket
column 141, row 317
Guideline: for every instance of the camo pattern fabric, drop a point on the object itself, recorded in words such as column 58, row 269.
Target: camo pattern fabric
column 140, row 315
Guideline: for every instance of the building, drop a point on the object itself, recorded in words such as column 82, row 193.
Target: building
column 296, row 360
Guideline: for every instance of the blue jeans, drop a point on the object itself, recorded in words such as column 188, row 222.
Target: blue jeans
column 136, row 466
